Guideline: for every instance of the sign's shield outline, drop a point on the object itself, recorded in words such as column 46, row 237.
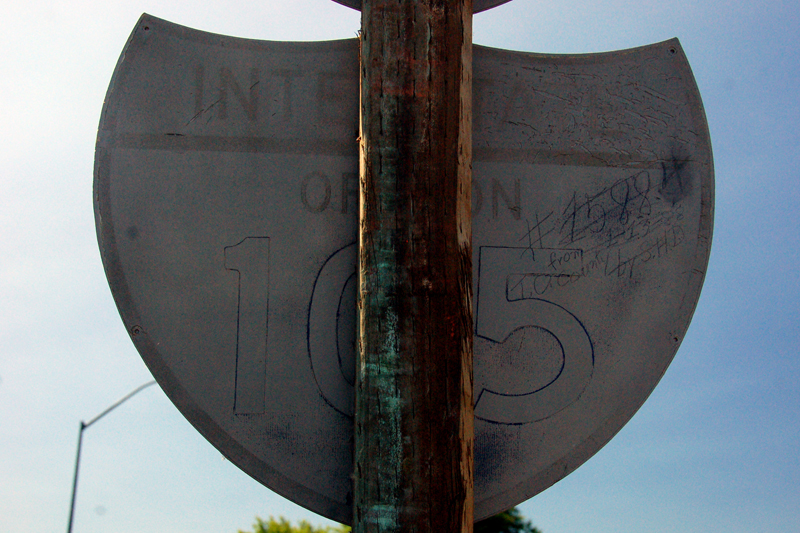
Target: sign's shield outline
column 248, row 461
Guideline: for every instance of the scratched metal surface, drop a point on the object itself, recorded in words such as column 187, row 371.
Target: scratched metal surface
column 477, row 5
column 226, row 208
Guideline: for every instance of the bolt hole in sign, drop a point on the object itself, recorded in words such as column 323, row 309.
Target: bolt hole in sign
column 226, row 199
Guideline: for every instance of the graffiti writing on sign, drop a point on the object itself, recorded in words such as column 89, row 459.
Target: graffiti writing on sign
column 614, row 230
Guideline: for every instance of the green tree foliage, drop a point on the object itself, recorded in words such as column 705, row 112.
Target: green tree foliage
column 510, row 521
column 281, row 525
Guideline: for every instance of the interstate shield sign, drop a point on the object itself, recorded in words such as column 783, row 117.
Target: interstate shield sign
column 226, row 198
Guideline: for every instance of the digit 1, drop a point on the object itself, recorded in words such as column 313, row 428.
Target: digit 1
column 250, row 258
column 570, row 220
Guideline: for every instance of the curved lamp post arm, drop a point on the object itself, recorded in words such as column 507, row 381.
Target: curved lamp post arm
column 85, row 425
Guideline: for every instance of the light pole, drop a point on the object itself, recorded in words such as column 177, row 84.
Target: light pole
column 85, row 425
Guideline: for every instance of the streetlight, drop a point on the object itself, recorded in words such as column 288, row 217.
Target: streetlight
column 85, row 425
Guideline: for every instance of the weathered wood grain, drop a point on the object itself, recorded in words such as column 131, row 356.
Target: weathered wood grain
column 414, row 409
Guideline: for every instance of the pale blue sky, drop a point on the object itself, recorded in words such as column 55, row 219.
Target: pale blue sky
column 714, row 449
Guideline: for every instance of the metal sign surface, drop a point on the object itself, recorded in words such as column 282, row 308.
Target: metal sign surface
column 226, row 190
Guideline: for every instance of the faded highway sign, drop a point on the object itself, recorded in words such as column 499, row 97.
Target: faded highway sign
column 226, row 197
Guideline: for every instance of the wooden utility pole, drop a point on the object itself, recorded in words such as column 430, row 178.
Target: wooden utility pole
column 414, row 409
